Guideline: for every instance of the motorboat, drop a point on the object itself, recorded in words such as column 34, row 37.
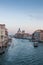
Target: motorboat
column 35, row 44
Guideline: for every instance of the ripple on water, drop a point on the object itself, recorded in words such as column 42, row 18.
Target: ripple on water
column 22, row 52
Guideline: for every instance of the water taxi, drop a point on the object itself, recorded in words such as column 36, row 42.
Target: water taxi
column 35, row 44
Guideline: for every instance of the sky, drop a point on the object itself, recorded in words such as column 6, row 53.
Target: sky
column 24, row 14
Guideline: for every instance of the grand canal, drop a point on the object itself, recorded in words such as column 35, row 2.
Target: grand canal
column 22, row 52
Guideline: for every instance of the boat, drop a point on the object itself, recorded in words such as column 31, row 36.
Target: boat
column 35, row 44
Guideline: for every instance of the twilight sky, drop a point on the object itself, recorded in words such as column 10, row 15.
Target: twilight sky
column 24, row 14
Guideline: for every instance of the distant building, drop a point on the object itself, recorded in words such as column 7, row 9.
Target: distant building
column 23, row 31
column 19, row 31
column 18, row 34
column 26, row 35
column 38, row 35
column 22, row 34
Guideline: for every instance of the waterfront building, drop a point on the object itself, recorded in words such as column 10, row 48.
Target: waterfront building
column 41, row 35
column 22, row 34
column 3, row 34
column 18, row 34
column 26, row 35
column 19, row 31
column 6, row 34
column 38, row 35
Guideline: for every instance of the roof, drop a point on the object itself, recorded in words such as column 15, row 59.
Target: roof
column 2, row 24
column 38, row 31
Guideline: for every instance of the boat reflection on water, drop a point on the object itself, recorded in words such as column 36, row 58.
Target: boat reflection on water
column 2, row 51
column 4, row 45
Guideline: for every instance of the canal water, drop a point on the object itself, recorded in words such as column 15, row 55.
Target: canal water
column 22, row 52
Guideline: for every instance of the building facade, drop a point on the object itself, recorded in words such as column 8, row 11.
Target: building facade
column 38, row 35
column 22, row 35
column 3, row 33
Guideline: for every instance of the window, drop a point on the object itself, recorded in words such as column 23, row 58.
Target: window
column 1, row 37
column 1, row 32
